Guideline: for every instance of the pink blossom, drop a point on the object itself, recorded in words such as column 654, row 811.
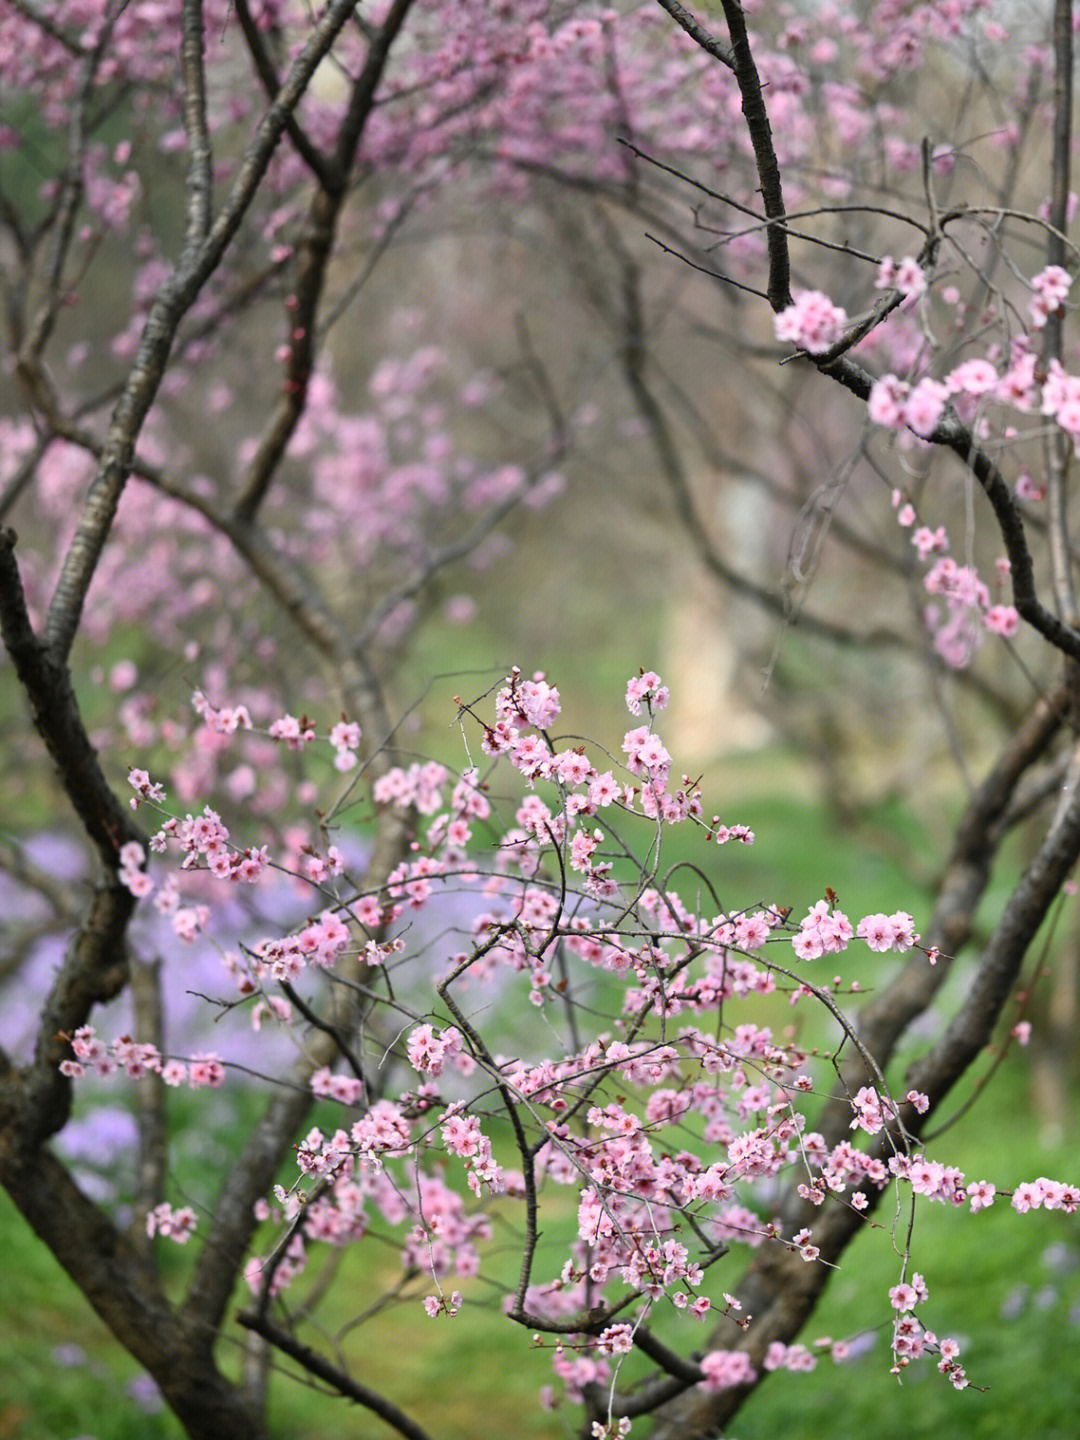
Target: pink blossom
column 822, row 931
column 751, row 931
column 294, row 733
column 603, row 789
column 724, row 1368
column 206, row 1070
column 1061, row 398
column 930, row 542
column 868, row 1111
column 972, row 377
column 887, row 404
column 1027, row 1196
column 1002, row 620
column 648, row 688
column 925, row 405
column 539, row 703
column 807, row 945
column 1019, row 385
column 145, row 788
column 173, row 1224
column 812, row 322
column 1051, row 287
column 616, row 1339
column 877, row 931
column 981, row 1195
column 905, row 275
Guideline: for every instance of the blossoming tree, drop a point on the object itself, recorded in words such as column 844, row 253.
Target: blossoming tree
column 480, row 991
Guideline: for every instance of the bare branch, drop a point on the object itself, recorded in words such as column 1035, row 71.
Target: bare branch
column 1058, row 446
column 123, row 1289
column 768, row 168
column 715, row 47
column 200, row 155
column 267, row 73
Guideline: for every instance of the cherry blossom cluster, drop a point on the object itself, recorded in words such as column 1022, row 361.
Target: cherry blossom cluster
column 176, row 1225
column 670, row 1122
column 970, row 386
column 611, row 1120
column 812, row 322
column 646, row 689
column 825, row 930
column 970, row 610
column 905, row 275
column 201, row 839
column 1051, row 288
column 371, row 1169
column 136, row 1059
column 1007, row 380
column 294, row 733
column 429, row 1050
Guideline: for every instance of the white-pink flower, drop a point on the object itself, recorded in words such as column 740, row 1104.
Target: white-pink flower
column 888, row 401
column 812, row 322
column 1051, row 288
column 972, row 377
column 903, row 1297
column 1002, row 620
column 905, row 275
column 925, row 405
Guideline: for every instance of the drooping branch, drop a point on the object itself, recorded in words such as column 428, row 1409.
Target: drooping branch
column 949, row 433
column 1058, row 446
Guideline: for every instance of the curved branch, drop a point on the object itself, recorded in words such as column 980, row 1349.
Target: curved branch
column 951, row 434
column 122, row 1288
column 317, row 1365
column 715, row 47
